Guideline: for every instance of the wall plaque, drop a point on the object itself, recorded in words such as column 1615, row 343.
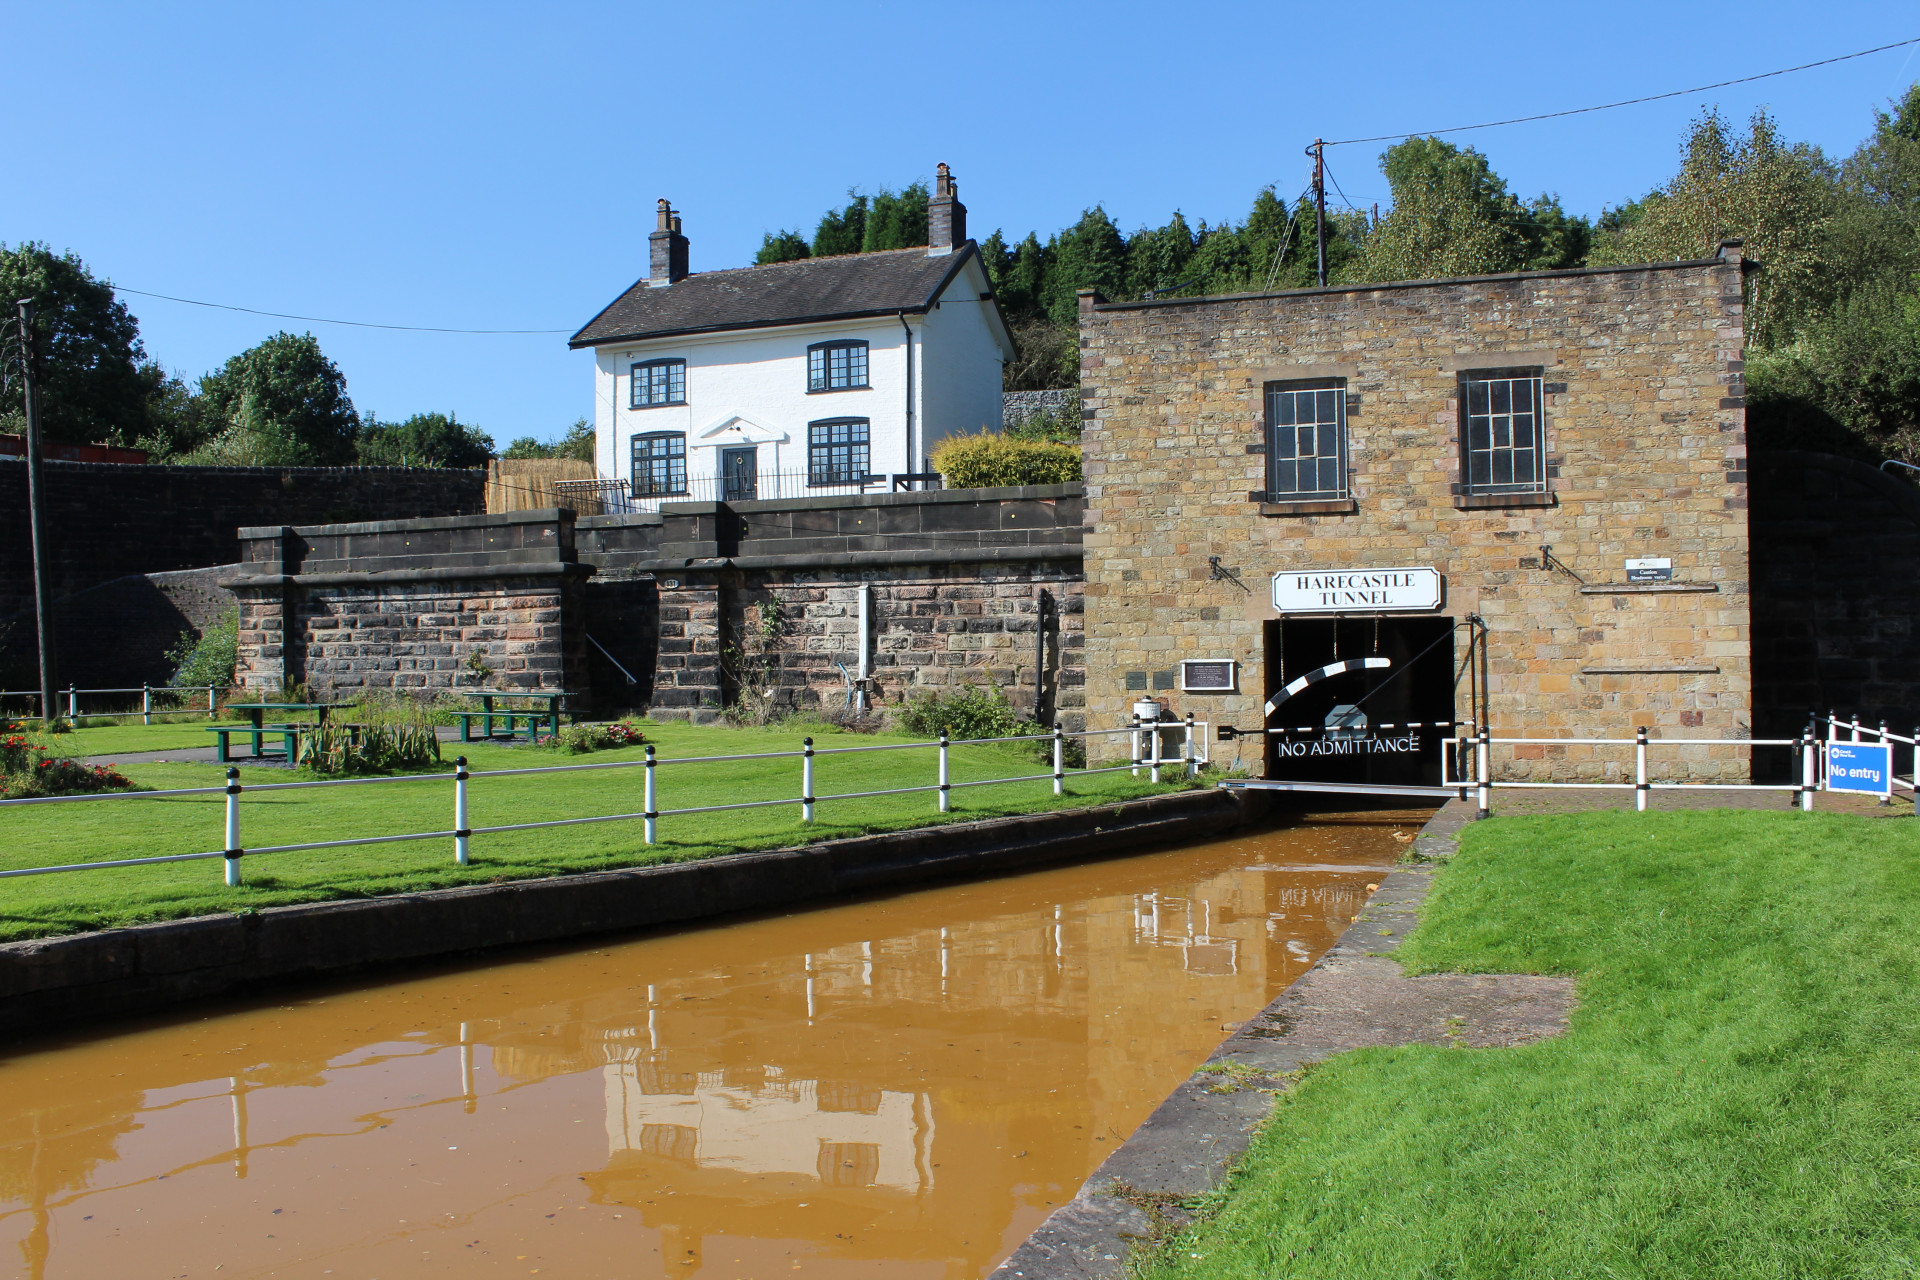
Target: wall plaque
column 1208, row 675
column 1356, row 590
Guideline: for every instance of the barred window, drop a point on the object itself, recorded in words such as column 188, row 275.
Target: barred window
column 1307, row 440
column 659, row 382
column 837, row 451
column 659, row 464
column 836, row 366
column 1502, row 431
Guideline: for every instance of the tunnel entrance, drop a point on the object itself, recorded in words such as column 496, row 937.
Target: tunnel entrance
column 1360, row 699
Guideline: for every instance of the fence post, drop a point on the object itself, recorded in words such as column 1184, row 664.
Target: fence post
column 1833, row 725
column 1133, row 746
column 1856, row 726
column 1060, row 758
column 1153, row 756
column 653, row 810
column 1483, row 762
column 1808, row 772
column 1640, row 785
column 209, row 702
column 146, row 703
column 233, row 827
column 806, row 780
column 1193, row 768
column 461, row 832
column 945, row 802
column 73, row 703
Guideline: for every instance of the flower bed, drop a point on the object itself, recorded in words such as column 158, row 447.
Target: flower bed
column 28, row 769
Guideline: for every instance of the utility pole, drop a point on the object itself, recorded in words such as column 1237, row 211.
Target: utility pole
column 1319, row 153
column 36, row 513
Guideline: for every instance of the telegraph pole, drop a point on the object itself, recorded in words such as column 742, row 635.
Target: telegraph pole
column 36, row 512
column 1319, row 153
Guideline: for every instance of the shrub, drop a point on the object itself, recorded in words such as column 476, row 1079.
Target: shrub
column 989, row 461
column 28, row 769
column 974, row 712
column 208, row 658
column 579, row 739
column 398, row 734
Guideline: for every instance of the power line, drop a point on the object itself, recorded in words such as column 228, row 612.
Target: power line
column 1629, row 102
column 357, row 324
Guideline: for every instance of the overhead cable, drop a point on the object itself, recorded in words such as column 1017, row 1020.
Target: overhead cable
column 358, row 324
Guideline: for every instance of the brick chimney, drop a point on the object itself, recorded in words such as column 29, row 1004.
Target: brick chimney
column 946, row 216
column 669, row 249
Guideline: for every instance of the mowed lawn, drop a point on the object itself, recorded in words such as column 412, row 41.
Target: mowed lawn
column 40, row 835
column 1736, row 1097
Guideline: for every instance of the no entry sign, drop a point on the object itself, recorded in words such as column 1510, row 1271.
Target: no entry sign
column 1860, row 766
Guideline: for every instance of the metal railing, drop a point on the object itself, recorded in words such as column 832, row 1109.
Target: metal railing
column 71, row 696
column 625, row 496
column 1148, row 755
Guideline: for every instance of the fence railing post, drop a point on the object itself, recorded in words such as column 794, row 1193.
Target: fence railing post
column 1059, row 762
column 1640, row 785
column 1193, row 766
column 1809, row 773
column 1153, row 756
column 461, row 832
column 1833, row 725
column 1856, row 726
column 73, row 703
column 806, row 780
column 1133, row 747
column 652, row 801
column 233, row 827
column 1483, row 766
column 945, row 786
column 146, row 703
column 209, row 702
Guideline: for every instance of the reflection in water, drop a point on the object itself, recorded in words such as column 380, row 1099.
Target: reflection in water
column 900, row 1087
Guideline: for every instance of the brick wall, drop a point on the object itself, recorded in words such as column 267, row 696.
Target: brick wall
column 1646, row 439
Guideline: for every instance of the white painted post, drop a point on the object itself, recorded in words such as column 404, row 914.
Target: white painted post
column 1886, row 794
column 945, row 786
column 233, row 827
column 1483, row 762
column 1133, row 748
column 1833, row 725
column 73, row 703
column 1193, row 767
column 209, row 702
column 1640, row 785
column 653, row 808
column 1809, row 774
column 146, row 703
column 1856, row 726
column 806, row 780
column 1059, row 762
column 461, row 832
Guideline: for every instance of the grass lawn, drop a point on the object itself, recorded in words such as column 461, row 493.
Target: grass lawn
column 101, row 739
column 38, row 835
column 1735, row 1097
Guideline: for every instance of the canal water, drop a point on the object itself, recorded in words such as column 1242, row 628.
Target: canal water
column 899, row 1087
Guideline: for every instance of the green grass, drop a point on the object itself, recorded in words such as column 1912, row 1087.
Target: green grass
column 100, row 738
column 1735, row 1097
column 39, row 835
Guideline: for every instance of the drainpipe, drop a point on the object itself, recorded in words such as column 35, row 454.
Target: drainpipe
column 912, row 465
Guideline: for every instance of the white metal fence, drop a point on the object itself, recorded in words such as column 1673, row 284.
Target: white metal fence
column 1148, row 755
column 70, row 698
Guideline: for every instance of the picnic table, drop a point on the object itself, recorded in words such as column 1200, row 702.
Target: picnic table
column 258, row 730
column 514, row 717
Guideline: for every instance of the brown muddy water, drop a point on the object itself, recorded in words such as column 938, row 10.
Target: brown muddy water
column 899, row 1087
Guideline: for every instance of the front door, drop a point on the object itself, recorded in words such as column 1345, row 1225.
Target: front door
column 739, row 474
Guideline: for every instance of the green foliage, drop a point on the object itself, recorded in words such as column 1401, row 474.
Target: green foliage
column 1046, row 357
column 841, row 230
column 781, row 246
column 424, row 440
column 1452, row 215
column 95, row 380
column 1057, row 426
column 1091, row 254
column 973, row 712
column 1849, row 383
column 208, row 658
column 580, row 739
column 896, row 220
column 282, row 403
column 395, row 733
column 990, row 460
column 578, row 444
column 28, row 770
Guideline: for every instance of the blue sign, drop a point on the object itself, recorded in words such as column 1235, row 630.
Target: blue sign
column 1859, row 766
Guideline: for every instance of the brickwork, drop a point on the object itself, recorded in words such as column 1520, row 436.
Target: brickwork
column 1645, row 427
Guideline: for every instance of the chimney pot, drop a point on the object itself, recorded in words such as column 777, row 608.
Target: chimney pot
column 946, row 216
column 667, row 249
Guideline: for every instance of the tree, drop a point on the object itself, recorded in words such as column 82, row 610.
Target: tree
column 896, row 221
column 842, row 230
column 1091, row 254
column 781, row 246
column 1158, row 259
column 282, row 403
column 424, row 440
column 578, row 443
column 95, row 381
column 1452, row 215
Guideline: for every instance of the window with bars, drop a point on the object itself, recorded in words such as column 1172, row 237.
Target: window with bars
column 837, row 451
column 658, row 382
column 836, row 366
column 1502, row 431
column 659, row 464
column 1307, row 440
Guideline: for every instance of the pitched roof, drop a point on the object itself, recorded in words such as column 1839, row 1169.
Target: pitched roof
column 839, row 288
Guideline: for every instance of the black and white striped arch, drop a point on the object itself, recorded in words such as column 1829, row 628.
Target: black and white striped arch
column 1316, row 676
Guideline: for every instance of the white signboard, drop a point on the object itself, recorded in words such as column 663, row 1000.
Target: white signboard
column 1356, row 590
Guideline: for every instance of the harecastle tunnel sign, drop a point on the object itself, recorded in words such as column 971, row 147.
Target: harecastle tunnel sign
column 1356, row 590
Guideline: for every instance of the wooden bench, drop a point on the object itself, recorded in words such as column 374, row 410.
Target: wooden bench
column 532, row 720
column 289, row 735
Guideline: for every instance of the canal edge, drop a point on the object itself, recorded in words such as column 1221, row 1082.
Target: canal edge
column 1353, row 996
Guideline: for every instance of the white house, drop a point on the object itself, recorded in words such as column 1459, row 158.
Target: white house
column 816, row 377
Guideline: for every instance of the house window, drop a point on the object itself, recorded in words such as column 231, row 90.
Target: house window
column 1502, row 431
column 659, row 464
column 836, row 366
column 658, row 382
column 837, row 451
column 1307, row 440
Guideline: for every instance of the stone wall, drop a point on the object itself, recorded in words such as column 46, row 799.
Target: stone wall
column 1018, row 406
column 1646, row 448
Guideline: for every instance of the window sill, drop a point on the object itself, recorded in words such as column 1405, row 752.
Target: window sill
column 661, row 404
column 834, row 391
column 1318, row 507
column 1496, row 501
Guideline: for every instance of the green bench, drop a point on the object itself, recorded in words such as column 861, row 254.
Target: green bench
column 520, row 725
column 289, row 735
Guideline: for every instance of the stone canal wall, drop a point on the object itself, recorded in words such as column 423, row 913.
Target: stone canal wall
column 1646, row 454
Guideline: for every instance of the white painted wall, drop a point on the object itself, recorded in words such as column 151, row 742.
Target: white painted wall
column 749, row 388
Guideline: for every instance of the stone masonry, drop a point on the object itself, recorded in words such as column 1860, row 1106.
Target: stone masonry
column 1645, row 427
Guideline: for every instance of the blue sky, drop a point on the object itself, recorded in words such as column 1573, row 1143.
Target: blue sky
column 495, row 167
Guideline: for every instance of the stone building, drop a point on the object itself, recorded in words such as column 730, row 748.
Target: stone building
column 1523, row 496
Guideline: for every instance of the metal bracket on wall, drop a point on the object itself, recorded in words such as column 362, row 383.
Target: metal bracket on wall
column 1220, row 573
column 1549, row 561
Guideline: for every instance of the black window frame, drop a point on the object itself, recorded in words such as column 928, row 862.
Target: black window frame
column 1283, row 457
column 820, row 477
column 821, row 353
column 675, row 366
column 676, row 465
column 1496, row 418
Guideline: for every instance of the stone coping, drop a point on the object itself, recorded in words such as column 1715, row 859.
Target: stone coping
column 546, row 515
column 918, row 497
